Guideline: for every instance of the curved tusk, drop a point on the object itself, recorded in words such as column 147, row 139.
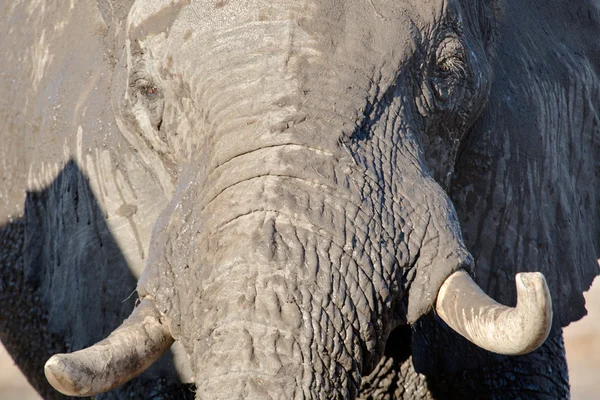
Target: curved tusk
column 127, row 352
column 492, row 326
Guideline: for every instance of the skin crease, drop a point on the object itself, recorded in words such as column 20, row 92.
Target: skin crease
column 301, row 152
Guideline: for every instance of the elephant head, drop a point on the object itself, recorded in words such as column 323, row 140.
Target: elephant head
column 307, row 146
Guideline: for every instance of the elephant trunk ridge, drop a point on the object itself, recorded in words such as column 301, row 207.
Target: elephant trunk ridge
column 259, row 339
column 492, row 326
column 127, row 352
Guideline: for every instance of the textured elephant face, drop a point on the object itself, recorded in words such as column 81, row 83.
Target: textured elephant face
column 307, row 142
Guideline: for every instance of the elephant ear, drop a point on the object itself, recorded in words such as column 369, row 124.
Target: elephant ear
column 527, row 183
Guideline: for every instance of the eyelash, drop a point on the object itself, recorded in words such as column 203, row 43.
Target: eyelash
column 145, row 87
column 450, row 60
column 454, row 65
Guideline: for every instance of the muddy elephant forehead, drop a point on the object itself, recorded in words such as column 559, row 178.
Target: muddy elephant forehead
column 377, row 35
column 328, row 18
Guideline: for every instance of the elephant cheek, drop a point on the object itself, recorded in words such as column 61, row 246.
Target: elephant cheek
column 440, row 251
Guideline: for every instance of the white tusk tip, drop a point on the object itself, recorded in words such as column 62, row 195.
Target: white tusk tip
column 58, row 371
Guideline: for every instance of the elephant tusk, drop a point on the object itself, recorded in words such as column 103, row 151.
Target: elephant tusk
column 127, row 352
column 490, row 325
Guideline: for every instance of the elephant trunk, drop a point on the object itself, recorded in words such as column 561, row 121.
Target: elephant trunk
column 277, row 313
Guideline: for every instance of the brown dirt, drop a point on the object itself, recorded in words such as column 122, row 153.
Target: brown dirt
column 582, row 340
column 13, row 385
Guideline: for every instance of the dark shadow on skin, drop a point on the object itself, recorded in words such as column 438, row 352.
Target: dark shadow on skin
column 65, row 284
column 394, row 377
column 538, row 375
column 542, row 374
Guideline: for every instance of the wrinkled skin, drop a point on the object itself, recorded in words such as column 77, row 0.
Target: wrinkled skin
column 290, row 189
column 303, row 198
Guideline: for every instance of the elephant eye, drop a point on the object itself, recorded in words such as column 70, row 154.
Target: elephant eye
column 449, row 72
column 147, row 89
column 150, row 97
column 450, row 59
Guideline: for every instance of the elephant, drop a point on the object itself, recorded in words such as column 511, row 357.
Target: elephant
column 297, row 199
